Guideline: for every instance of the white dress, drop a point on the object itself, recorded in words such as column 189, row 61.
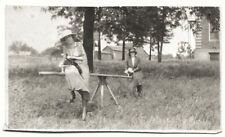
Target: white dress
column 75, row 80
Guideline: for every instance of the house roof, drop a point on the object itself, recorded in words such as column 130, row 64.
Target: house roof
column 119, row 47
column 115, row 48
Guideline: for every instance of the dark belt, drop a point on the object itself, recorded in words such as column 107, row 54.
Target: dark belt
column 74, row 63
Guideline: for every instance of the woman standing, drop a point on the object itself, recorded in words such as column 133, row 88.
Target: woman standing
column 76, row 68
column 133, row 68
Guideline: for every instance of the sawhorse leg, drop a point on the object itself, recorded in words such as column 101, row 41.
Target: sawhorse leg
column 95, row 91
column 101, row 83
column 110, row 91
column 102, row 95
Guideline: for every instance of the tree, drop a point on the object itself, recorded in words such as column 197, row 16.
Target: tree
column 151, row 43
column 88, row 35
column 114, row 22
column 146, row 17
column 166, row 19
column 212, row 14
column 79, row 18
column 122, row 22
column 97, row 28
column 136, row 24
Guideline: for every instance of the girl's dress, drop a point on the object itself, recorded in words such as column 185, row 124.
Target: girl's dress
column 135, row 65
column 75, row 80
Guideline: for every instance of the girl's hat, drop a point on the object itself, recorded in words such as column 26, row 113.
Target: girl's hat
column 66, row 33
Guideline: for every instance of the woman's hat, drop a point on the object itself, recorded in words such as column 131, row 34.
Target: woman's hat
column 66, row 33
column 133, row 50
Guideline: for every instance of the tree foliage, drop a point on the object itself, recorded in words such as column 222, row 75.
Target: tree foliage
column 139, row 25
column 18, row 46
column 212, row 14
column 81, row 23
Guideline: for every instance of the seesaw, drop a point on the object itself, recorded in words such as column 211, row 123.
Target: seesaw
column 101, row 83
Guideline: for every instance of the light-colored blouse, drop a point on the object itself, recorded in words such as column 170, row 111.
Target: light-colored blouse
column 75, row 50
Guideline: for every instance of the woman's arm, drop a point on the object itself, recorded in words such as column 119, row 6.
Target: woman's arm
column 138, row 67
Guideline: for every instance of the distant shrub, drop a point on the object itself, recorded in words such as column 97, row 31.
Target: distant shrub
column 19, row 46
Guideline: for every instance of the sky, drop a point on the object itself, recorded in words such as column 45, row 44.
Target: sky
column 38, row 30
column 32, row 26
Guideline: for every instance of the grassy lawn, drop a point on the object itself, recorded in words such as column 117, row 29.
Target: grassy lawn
column 177, row 95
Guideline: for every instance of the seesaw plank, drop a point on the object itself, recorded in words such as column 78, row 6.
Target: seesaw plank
column 51, row 73
column 109, row 75
column 91, row 74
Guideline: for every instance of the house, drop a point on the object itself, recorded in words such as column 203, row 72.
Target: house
column 207, row 42
column 114, row 51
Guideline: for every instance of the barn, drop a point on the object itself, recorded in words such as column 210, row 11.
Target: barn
column 115, row 51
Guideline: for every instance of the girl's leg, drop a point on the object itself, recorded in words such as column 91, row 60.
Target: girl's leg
column 139, row 90
column 134, row 88
column 85, row 98
column 73, row 96
column 84, row 109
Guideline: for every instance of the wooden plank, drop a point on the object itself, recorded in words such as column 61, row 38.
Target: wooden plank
column 110, row 75
column 91, row 74
column 51, row 73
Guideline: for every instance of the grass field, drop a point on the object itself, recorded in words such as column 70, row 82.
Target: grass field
column 177, row 95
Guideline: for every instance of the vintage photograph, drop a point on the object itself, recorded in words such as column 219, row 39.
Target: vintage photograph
column 113, row 68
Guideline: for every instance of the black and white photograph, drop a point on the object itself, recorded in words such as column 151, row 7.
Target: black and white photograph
column 113, row 68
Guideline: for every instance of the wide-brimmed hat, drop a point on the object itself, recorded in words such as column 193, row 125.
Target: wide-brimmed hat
column 66, row 33
column 133, row 50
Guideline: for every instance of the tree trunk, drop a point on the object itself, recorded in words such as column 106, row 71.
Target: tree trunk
column 160, row 46
column 99, row 45
column 123, row 50
column 99, row 33
column 88, row 35
column 159, row 52
column 150, row 50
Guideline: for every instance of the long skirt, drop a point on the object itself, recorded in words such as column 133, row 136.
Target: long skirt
column 137, row 78
column 77, row 81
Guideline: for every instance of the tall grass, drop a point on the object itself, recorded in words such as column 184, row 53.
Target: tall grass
column 31, row 66
column 166, row 69
column 177, row 95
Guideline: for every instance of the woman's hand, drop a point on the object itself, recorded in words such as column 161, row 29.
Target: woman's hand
column 130, row 70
